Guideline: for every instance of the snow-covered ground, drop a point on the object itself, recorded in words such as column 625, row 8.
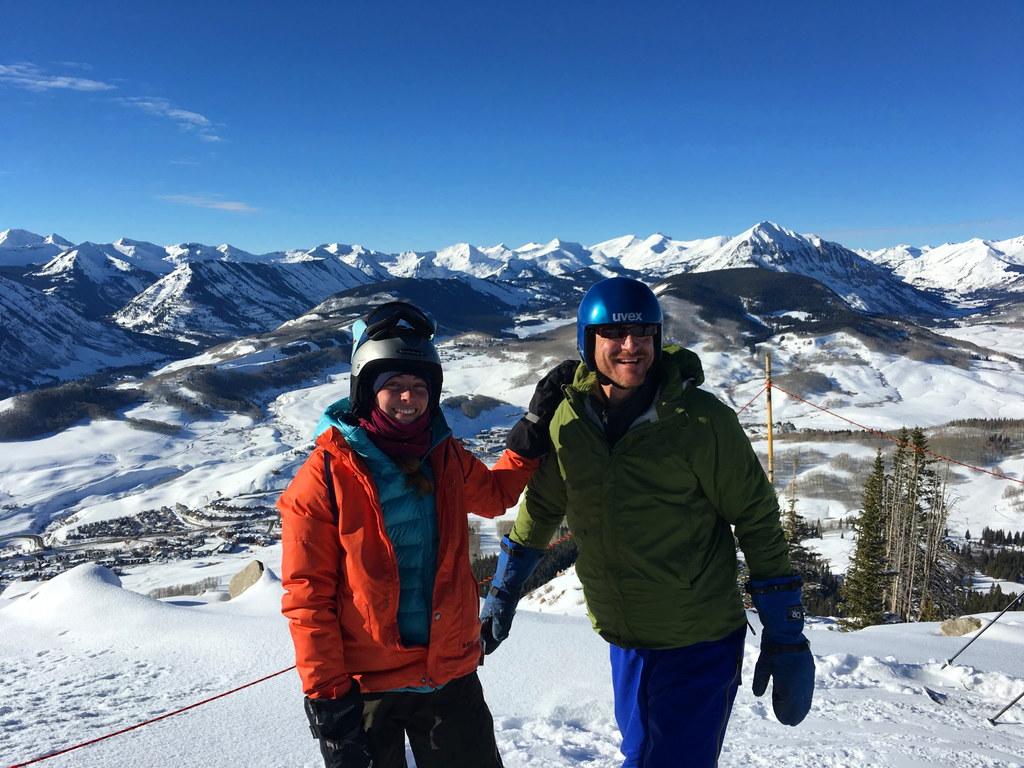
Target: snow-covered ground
column 105, row 469
column 82, row 657
column 87, row 654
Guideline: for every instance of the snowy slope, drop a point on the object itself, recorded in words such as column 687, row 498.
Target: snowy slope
column 95, row 280
column 212, row 299
column 43, row 341
column 882, row 696
column 966, row 269
column 19, row 247
column 861, row 283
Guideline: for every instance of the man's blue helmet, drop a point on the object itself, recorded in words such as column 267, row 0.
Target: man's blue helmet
column 615, row 301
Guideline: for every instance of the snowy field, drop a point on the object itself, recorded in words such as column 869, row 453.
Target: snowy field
column 87, row 653
column 82, row 657
column 100, row 470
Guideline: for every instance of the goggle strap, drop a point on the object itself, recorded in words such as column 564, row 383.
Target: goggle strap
column 391, row 324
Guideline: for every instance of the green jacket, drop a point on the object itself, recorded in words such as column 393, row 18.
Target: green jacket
column 654, row 515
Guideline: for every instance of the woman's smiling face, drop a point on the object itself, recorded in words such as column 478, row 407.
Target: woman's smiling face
column 403, row 398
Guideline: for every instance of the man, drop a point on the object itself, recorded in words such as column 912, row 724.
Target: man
column 654, row 476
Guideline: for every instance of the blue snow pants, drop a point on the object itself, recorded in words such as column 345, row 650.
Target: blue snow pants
column 672, row 706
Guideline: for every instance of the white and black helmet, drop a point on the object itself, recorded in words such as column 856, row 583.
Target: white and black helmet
column 396, row 336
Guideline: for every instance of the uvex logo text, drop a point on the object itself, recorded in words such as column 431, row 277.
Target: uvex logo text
column 626, row 317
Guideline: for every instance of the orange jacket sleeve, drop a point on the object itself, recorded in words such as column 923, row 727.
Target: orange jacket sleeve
column 490, row 492
column 311, row 575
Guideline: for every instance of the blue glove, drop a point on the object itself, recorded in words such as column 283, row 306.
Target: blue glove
column 785, row 654
column 515, row 565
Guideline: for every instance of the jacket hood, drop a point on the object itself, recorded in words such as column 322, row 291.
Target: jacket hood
column 334, row 416
column 687, row 362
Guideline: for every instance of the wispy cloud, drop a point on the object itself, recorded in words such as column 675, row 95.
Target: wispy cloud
column 32, row 78
column 74, row 64
column 199, row 201
column 186, row 120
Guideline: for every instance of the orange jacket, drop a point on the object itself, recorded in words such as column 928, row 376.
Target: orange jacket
column 341, row 579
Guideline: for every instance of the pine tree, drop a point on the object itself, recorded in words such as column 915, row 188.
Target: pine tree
column 863, row 592
column 821, row 587
column 794, row 527
column 796, row 530
column 898, row 526
column 940, row 569
column 925, row 573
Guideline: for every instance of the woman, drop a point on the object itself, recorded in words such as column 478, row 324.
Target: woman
column 381, row 602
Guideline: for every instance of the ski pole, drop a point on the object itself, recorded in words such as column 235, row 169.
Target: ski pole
column 1001, row 711
column 950, row 660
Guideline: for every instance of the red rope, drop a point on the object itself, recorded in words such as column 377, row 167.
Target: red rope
column 198, row 703
column 760, row 391
column 893, row 439
column 147, row 722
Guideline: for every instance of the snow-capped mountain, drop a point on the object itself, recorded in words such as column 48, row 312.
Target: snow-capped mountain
column 892, row 256
column 460, row 258
column 971, row 273
column 44, row 342
column 203, row 294
column 861, row 283
column 94, row 280
column 208, row 300
column 366, row 261
column 19, row 247
column 659, row 255
column 145, row 256
column 186, row 253
column 555, row 258
column 901, row 280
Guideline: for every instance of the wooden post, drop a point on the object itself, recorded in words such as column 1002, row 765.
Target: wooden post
column 768, row 391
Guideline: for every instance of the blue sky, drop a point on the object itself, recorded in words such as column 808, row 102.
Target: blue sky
column 415, row 125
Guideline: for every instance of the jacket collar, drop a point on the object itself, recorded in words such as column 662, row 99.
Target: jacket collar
column 335, row 415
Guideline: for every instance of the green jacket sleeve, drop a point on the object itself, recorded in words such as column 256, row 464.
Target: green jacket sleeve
column 739, row 489
column 543, row 507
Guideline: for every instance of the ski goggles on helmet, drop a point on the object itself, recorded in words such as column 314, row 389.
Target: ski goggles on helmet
column 622, row 330
column 396, row 318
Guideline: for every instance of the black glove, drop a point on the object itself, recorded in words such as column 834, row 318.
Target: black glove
column 529, row 436
column 338, row 724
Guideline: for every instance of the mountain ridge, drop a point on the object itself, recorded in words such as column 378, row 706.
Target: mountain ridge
column 766, row 245
column 202, row 295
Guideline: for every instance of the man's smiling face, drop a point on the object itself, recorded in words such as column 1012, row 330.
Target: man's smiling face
column 626, row 360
